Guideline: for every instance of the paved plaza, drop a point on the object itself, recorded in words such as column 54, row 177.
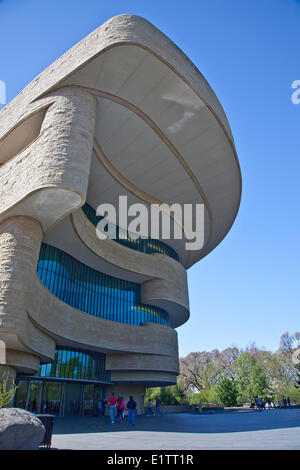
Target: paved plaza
column 276, row 429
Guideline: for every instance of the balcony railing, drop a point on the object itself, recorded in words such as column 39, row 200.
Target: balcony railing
column 144, row 245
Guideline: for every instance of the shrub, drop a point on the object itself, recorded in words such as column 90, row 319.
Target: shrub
column 7, row 392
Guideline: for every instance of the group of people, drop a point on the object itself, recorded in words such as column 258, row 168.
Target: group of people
column 157, row 407
column 261, row 404
column 117, row 409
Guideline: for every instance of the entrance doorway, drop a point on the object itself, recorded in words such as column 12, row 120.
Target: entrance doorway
column 60, row 398
column 72, row 399
column 51, row 399
column 35, row 395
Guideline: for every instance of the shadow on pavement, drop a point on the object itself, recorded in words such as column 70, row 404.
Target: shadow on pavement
column 184, row 423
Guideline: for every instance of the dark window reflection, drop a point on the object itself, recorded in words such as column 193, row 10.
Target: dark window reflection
column 21, row 394
column 34, row 399
column 51, row 398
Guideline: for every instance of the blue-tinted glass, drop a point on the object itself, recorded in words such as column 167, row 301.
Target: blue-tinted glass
column 74, row 364
column 146, row 245
column 93, row 292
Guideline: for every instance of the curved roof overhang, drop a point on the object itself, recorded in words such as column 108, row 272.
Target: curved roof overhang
column 161, row 134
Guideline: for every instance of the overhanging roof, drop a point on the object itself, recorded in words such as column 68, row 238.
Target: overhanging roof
column 161, row 134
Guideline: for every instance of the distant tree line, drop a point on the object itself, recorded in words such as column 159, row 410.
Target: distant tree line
column 235, row 376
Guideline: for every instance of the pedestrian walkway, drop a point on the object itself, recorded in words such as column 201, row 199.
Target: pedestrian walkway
column 276, row 429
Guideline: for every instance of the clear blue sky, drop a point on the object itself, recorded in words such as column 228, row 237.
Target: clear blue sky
column 248, row 288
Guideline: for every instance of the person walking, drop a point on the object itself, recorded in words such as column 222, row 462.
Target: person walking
column 258, row 403
column 131, row 407
column 289, row 402
column 100, row 404
column 112, row 407
column 150, row 408
column 157, row 407
column 120, row 409
column 284, row 402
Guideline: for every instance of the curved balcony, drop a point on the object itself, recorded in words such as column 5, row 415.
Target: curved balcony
column 93, row 292
column 144, row 245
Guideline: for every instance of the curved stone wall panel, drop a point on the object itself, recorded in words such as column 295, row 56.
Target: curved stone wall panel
column 34, row 321
column 70, row 327
column 151, row 265
column 147, row 362
column 20, row 239
column 148, row 378
column 77, row 328
column 25, row 363
column 169, row 279
column 22, row 135
column 49, row 178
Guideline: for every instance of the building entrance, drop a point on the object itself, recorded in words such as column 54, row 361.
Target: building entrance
column 59, row 398
column 72, row 399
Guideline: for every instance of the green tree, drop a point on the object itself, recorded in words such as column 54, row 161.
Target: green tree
column 251, row 379
column 227, row 392
column 200, row 370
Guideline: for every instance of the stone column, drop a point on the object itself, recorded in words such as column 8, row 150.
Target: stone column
column 49, row 178
column 22, row 342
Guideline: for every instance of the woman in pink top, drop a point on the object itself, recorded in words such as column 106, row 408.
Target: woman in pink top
column 120, row 409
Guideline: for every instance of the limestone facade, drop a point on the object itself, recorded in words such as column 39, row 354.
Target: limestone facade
column 48, row 136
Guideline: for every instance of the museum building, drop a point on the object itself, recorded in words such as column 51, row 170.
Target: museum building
column 122, row 113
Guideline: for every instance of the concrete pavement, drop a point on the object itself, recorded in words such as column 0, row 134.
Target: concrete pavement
column 276, row 429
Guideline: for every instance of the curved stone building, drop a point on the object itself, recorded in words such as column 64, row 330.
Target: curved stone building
column 124, row 112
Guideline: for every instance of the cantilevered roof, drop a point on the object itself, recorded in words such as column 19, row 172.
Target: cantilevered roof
column 161, row 134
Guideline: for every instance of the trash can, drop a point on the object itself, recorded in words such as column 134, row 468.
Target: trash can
column 47, row 421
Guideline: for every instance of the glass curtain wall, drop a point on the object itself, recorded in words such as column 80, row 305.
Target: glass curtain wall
column 60, row 398
column 75, row 364
column 51, row 399
column 93, row 292
column 34, row 398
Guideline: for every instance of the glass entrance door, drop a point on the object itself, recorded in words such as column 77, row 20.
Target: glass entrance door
column 92, row 395
column 51, row 399
column 72, row 401
column 89, row 408
column 34, row 400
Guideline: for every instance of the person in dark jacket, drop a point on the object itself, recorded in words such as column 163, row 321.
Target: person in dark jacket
column 157, row 407
column 131, row 407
